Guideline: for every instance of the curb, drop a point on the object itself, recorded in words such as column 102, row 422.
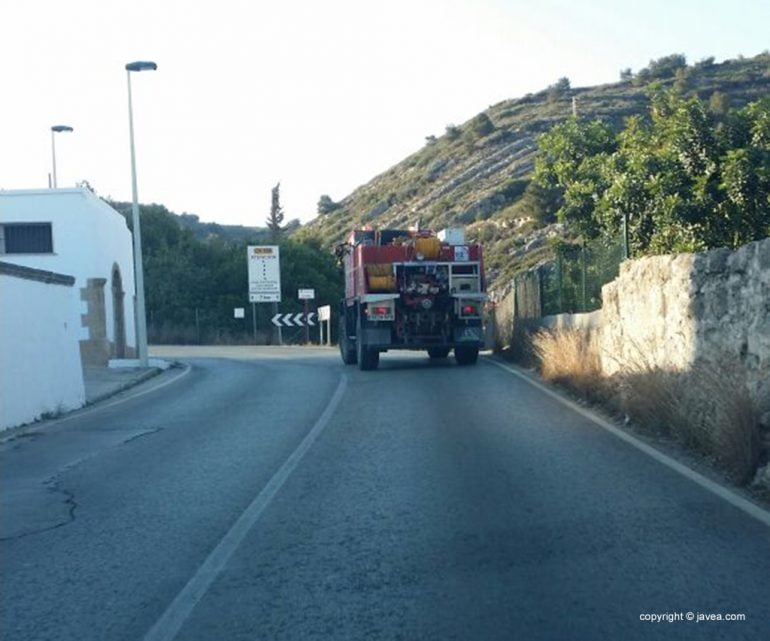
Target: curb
column 144, row 376
column 12, row 433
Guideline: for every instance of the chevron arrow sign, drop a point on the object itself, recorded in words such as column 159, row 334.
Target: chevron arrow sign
column 293, row 320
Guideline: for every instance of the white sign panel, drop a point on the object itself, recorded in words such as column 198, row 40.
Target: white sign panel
column 305, row 294
column 264, row 274
column 325, row 313
column 461, row 253
column 239, row 312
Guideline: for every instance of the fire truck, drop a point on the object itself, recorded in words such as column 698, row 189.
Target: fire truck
column 412, row 290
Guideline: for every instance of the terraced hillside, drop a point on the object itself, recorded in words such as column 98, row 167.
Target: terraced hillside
column 478, row 174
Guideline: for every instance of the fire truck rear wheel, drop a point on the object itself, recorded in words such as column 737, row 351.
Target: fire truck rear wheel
column 347, row 349
column 466, row 355
column 368, row 358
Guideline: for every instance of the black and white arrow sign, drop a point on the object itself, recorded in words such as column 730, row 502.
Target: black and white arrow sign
column 293, row 320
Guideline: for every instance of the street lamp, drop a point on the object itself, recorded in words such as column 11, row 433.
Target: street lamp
column 141, row 320
column 55, row 130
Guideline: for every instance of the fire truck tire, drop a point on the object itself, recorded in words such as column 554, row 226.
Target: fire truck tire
column 466, row 355
column 438, row 352
column 368, row 358
column 347, row 350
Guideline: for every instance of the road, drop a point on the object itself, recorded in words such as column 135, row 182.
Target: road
column 273, row 493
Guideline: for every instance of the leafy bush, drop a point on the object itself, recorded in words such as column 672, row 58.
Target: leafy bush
column 661, row 69
column 452, row 132
column 558, row 89
column 683, row 183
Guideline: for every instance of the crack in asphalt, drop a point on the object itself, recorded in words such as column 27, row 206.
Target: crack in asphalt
column 51, row 485
column 148, row 432
column 70, row 501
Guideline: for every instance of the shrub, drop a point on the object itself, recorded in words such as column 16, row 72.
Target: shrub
column 706, row 408
column 570, row 358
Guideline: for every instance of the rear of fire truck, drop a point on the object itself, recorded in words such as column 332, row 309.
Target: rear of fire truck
column 411, row 290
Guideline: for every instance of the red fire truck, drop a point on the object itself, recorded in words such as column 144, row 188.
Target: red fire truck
column 411, row 290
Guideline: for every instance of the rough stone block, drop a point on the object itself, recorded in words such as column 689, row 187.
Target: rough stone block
column 716, row 260
column 740, row 259
column 763, row 254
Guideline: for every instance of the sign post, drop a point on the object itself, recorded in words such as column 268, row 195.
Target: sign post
column 264, row 263
column 325, row 316
column 305, row 295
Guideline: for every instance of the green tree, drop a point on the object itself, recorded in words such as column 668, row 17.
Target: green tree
column 452, row 132
column 558, row 89
column 684, row 181
column 326, row 205
column 719, row 103
column 482, row 125
column 276, row 213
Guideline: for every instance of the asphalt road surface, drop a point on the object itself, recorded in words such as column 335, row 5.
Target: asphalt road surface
column 272, row 494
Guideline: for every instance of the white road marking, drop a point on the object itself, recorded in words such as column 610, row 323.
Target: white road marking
column 172, row 620
column 724, row 493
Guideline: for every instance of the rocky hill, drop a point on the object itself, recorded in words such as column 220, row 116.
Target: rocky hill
column 478, row 174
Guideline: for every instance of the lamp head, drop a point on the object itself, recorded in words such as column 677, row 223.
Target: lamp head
column 141, row 65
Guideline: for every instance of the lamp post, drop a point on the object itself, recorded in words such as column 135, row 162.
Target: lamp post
column 54, row 130
column 141, row 320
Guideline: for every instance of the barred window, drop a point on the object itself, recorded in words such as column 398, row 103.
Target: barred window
column 26, row 238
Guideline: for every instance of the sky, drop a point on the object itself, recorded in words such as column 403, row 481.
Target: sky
column 319, row 95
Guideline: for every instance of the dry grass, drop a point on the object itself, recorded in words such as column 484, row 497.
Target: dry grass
column 707, row 408
column 570, row 358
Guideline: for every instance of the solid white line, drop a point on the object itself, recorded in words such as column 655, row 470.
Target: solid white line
column 724, row 493
column 172, row 620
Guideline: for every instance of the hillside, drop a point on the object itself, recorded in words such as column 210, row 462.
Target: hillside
column 478, row 174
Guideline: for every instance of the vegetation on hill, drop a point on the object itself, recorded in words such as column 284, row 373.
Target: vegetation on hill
column 479, row 174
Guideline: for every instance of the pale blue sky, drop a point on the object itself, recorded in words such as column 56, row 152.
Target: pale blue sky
column 320, row 95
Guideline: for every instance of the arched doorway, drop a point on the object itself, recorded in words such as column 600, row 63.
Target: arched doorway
column 118, row 315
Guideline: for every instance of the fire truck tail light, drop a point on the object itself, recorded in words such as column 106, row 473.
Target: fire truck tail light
column 380, row 311
column 469, row 310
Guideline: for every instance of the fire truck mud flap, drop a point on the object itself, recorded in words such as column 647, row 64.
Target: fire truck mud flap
column 376, row 336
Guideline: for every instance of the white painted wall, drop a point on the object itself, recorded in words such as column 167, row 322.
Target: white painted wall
column 39, row 353
column 89, row 237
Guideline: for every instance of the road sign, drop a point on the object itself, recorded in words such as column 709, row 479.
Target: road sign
column 239, row 312
column 293, row 320
column 264, row 273
column 325, row 313
column 305, row 294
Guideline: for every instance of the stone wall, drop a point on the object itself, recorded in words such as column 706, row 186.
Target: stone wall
column 95, row 350
column 672, row 311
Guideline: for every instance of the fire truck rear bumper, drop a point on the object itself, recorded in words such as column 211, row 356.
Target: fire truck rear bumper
column 381, row 338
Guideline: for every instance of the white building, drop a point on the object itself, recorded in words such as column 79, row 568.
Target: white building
column 73, row 232
column 40, row 369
